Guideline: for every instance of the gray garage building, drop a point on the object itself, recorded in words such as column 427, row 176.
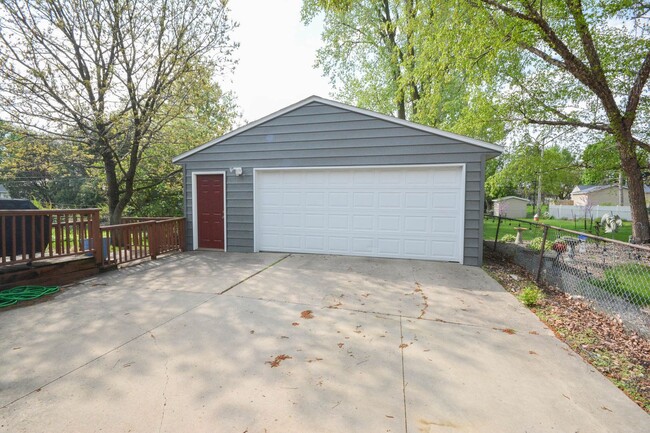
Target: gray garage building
column 324, row 177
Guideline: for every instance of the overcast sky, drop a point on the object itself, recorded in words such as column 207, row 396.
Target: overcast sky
column 276, row 57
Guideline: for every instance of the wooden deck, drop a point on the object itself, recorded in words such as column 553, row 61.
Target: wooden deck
column 45, row 247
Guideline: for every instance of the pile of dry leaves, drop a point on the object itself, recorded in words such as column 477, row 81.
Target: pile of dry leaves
column 601, row 340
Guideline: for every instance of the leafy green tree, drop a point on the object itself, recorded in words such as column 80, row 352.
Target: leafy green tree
column 560, row 63
column 102, row 73
column 159, row 187
column 53, row 173
column 393, row 56
column 579, row 65
column 527, row 167
column 601, row 162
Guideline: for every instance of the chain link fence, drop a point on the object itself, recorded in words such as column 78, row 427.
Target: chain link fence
column 613, row 275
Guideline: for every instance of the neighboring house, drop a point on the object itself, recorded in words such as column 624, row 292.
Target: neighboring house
column 511, row 207
column 4, row 194
column 602, row 194
column 323, row 177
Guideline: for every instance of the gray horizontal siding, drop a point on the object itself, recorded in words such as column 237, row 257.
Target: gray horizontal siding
column 319, row 135
column 235, row 160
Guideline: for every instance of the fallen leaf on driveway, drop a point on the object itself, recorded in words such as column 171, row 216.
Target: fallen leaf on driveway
column 278, row 359
column 506, row 330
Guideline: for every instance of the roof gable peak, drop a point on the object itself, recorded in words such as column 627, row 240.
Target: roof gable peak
column 331, row 103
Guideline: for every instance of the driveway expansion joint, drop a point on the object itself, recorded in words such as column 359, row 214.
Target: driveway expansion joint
column 401, row 338
column 255, row 274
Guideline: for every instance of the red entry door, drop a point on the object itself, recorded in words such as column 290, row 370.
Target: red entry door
column 210, row 209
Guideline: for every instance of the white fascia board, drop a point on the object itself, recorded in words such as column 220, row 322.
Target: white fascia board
column 406, row 123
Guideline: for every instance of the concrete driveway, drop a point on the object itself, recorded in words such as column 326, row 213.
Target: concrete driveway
column 216, row 342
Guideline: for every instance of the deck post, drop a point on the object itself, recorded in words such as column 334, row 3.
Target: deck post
column 182, row 234
column 153, row 239
column 96, row 236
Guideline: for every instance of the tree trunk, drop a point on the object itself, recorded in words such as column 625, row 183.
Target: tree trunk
column 635, row 189
column 112, row 188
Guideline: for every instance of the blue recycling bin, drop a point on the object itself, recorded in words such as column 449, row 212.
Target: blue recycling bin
column 88, row 244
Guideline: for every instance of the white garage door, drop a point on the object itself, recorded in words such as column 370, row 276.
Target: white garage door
column 404, row 212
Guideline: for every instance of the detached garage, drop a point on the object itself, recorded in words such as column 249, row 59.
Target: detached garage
column 323, row 177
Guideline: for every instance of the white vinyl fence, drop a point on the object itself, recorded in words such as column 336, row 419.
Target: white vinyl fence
column 569, row 212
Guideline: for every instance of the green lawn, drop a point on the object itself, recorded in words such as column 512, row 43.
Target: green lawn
column 630, row 280
column 490, row 228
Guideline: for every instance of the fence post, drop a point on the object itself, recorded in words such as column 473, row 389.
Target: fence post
column 496, row 237
column 96, row 236
column 541, row 255
column 153, row 240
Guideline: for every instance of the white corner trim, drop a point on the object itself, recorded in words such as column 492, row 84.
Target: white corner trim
column 195, row 219
column 406, row 123
column 463, row 180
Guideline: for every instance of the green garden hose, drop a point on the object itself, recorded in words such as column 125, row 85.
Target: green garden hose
column 24, row 293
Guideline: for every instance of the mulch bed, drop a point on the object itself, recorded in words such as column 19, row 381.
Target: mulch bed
column 600, row 339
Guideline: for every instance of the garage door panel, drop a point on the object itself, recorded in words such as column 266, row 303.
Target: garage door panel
column 314, row 199
column 446, row 177
column 364, row 177
column 292, row 242
column 343, row 178
column 274, row 219
column 363, row 199
column 389, row 200
column 389, row 247
column 316, row 243
column 415, row 224
column 338, row 199
column 338, row 244
column 292, row 199
column 417, row 200
column 418, row 178
column 363, row 222
column 272, row 198
column 444, row 225
column 272, row 241
column 293, row 221
column 415, row 247
column 391, row 178
column 387, row 223
column 362, row 246
column 315, row 221
column 338, row 222
column 388, row 212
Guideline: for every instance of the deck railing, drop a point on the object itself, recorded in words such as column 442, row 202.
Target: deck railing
column 32, row 235
column 29, row 235
column 138, row 238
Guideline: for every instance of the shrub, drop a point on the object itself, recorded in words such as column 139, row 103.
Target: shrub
column 530, row 296
column 536, row 244
column 508, row 238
